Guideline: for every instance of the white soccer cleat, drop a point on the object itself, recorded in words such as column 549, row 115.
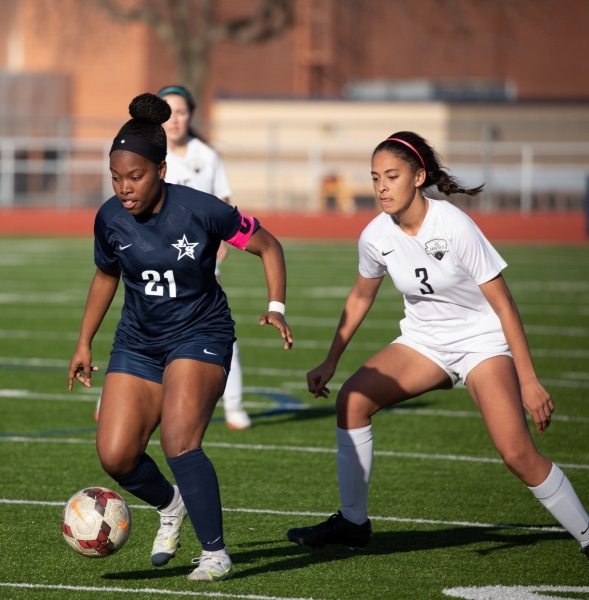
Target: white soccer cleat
column 212, row 566
column 237, row 419
column 167, row 540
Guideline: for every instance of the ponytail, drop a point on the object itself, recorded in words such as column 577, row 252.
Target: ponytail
column 416, row 151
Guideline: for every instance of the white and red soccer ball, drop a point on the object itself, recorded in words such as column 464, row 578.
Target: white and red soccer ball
column 96, row 522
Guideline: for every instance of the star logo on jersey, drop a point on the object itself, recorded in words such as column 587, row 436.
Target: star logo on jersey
column 185, row 248
column 437, row 248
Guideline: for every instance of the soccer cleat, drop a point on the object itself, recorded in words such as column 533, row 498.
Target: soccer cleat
column 212, row 566
column 167, row 540
column 585, row 550
column 336, row 530
column 237, row 419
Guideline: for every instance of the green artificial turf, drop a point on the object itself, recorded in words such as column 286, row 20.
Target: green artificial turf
column 268, row 472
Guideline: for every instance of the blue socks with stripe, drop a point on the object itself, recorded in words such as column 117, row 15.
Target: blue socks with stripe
column 147, row 483
column 198, row 485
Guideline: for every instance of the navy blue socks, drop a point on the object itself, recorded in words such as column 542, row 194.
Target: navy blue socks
column 198, row 485
column 147, row 483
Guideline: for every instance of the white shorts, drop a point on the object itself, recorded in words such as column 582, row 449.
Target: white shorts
column 457, row 364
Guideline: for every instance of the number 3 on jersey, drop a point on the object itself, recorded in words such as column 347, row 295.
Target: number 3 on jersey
column 153, row 277
column 423, row 272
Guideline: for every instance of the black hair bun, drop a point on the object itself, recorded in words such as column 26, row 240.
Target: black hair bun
column 151, row 108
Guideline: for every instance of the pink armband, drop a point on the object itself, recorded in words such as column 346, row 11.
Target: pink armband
column 244, row 233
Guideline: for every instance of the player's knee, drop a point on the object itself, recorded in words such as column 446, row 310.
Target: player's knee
column 116, row 463
column 517, row 459
column 351, row 407
column 344, row 398
column 174, row 444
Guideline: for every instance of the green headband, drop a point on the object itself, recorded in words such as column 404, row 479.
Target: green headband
column 172, row 89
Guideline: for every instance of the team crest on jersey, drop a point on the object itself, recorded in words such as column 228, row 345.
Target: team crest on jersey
column 185, row 248
column 437, row 247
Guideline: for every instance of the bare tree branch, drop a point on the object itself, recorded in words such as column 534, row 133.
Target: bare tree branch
column 141, row 13
column 270, row 20
column 190, row 30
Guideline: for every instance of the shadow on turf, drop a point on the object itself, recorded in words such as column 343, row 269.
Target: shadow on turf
column 278, row 557
column 285, row 558
column 319, row 412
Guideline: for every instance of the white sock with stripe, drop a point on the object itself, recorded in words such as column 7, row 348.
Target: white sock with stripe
column 557, row 495
column 354, row 465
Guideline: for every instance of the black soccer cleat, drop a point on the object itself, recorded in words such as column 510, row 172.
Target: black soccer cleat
column 584, row 550
column 336, row 530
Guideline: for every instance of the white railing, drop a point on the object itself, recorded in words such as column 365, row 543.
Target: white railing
column 64, row 172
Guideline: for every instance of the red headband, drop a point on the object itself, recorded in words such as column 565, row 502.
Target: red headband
column 408, row 146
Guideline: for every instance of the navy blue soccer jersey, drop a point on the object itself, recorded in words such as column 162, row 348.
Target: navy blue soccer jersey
column 167, row 262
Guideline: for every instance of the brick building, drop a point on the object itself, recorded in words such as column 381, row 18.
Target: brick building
column 66, row 66
column 540, row 46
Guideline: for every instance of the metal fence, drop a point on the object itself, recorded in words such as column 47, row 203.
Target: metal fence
column 69, row 172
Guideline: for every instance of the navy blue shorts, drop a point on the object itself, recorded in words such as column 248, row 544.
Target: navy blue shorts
column 151, row 367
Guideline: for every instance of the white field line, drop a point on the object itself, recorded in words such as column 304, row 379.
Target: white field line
column 556, row 330
column 26, row 394
column 91, row 396
column 121, row 590
column 550, row 286
column 544, row 309
column 576, row 375
column 294, row 513
column 274, row 448
column 392, row 324
column 513, row 592
column 334, row 386
column 24, row 334
column 381, row 325
column 564, row 383
column 559, row 353
column 73, row 297
column 271, row 372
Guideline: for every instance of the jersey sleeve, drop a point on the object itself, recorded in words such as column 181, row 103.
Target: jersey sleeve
column 475, row 252
column 228, row 224
column 104, row 256
column 371, row 264
column 221, row 187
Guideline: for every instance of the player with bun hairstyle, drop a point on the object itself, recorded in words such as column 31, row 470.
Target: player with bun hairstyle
column 460, row 323
column 194, row 163
column 173, row 344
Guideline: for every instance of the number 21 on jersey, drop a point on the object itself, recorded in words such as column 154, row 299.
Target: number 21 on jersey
column 153, row 278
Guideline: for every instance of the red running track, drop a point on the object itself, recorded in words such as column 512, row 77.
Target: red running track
column 552, row 227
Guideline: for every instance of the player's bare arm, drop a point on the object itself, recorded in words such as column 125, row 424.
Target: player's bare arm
column 268, row 248
column 536, row 399
column 102, row 291
column 359, row 302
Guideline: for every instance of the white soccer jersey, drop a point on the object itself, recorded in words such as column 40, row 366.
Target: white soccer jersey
column 201, row 169
column 438, row 271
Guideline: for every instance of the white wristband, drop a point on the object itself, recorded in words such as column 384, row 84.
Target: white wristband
column 276, row 307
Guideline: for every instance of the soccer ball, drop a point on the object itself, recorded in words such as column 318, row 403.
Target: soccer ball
column 96, row 522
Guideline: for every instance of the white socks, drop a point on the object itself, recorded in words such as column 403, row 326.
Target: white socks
column 233, row 388
column 557, row 495
column 354, row 465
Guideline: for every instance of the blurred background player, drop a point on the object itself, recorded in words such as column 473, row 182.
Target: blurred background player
column 172, row 350
column 194, row 163
column 460, row 323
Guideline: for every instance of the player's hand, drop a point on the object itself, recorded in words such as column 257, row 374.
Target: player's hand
column 317, row 380
column 538, row 403
column 277, row 319
column 81, row 367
